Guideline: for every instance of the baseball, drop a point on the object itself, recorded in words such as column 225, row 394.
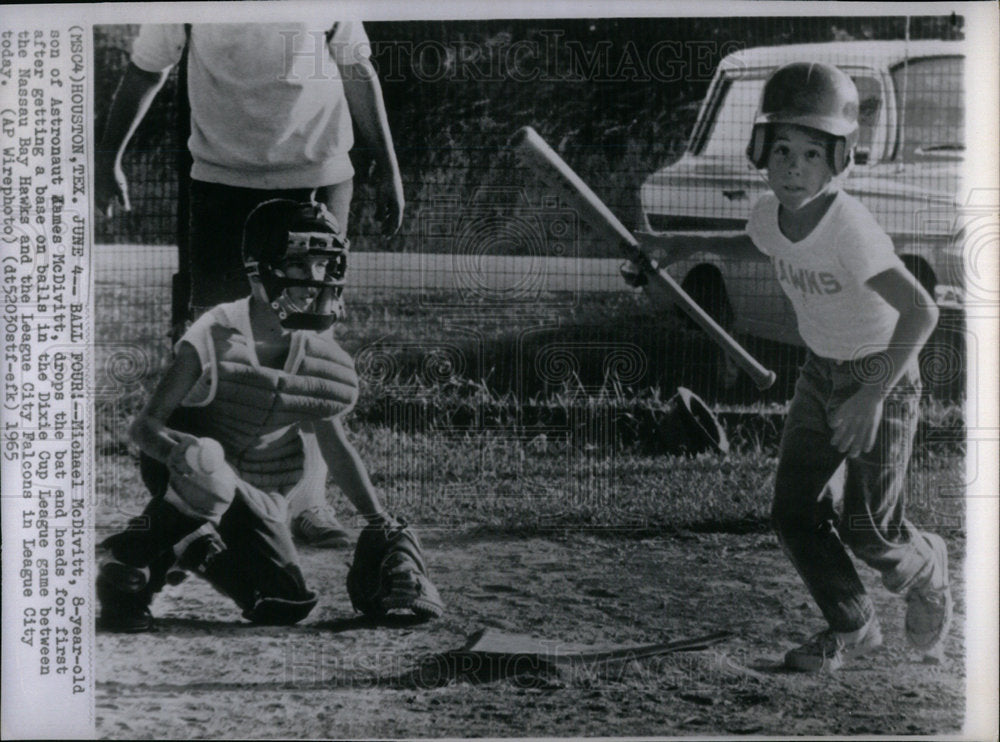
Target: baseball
column 206, row 456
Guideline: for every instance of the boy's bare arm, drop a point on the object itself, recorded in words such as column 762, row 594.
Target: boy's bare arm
column 128, row 107
column 855, row 424
column 346, row 468
column 364, row 99
column 149, row 429
column 918, row 315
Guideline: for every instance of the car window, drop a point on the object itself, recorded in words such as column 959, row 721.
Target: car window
column 930, row 96
column 737, row 107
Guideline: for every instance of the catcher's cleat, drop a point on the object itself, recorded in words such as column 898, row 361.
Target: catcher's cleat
column 929, row 609
column 281, row 611
column 389, row 574
column 829, row 649
column 138, row 621
column 124, row 595
column 319, row 527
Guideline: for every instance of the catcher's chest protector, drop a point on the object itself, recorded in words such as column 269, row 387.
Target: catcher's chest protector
column 256, row 410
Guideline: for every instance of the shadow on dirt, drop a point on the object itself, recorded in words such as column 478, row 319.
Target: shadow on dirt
column 237, row 627
column 364, row 623
column 489, row 656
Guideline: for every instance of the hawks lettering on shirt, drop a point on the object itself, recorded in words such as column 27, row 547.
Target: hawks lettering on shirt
column 805, row 280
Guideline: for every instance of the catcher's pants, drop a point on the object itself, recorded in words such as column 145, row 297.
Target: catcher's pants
column 823, row 501
column 216, row 231
column 259, row 561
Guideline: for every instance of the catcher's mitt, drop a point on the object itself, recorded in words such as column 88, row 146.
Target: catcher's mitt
column 389, row 574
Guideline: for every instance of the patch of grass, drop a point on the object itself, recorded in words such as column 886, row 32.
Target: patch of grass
column 588, row 340
column 511, row 484
column 446, row 394
column 423, row 365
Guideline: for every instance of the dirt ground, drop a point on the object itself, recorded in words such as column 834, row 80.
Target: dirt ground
column 206, row 673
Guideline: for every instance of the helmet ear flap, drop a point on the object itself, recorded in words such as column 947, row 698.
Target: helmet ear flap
column 840, row 156
column 760, row 142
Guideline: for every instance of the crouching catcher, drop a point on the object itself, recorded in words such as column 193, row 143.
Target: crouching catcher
column 264, row 377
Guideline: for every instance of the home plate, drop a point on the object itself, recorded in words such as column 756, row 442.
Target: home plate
column 490, row 642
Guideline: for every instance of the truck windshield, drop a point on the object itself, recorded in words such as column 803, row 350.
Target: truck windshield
column 930, row 95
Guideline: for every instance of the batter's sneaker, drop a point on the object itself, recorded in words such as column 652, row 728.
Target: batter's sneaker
column 829, row 650
column 318, row 526
column 929, row 609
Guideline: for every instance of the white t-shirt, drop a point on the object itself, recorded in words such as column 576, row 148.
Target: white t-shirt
column 236, row 315
column 824, row 276
column 267, row 99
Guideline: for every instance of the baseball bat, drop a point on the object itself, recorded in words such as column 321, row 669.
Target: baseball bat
column 535, row 153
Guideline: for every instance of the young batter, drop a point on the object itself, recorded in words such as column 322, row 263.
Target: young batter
column 849, row 433
column 263, row 377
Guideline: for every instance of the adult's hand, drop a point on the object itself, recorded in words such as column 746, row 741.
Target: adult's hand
column 132, row 99
column 390, row 203
column 110, row 185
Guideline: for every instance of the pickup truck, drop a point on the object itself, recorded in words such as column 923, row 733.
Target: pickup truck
column 907, row 167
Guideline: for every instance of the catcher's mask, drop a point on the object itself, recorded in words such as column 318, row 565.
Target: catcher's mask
column 813, row 95
column 299, row 255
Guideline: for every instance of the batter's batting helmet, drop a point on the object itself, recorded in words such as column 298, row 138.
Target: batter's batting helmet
column 280, row 232
column 811, row 94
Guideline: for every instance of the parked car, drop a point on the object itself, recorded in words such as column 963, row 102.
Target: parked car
column 907, row 166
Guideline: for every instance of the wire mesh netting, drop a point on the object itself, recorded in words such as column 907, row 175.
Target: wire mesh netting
column 494, row 277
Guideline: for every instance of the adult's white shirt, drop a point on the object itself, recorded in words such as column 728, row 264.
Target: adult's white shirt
column 267, row 99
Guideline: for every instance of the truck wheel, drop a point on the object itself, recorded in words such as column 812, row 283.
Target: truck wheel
column 943, row 357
